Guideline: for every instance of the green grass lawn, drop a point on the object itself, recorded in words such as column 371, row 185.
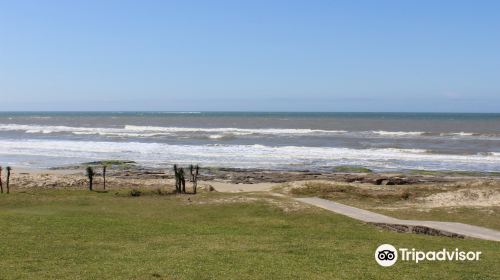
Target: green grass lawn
column 81, row 235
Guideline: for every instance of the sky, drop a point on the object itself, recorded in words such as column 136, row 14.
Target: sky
column 270, row 55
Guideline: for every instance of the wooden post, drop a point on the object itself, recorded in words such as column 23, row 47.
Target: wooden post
column 196, row 172
column 191, row 173
column 104, row 176
column 177, row 180
column 182, row 180
column 8, row 178
column 1, row 185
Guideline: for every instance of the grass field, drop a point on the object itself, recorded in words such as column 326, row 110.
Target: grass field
column 81, row 235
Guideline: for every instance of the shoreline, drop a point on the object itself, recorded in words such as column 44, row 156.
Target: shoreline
column 128, row 173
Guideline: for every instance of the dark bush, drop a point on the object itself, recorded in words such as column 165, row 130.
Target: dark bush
column 135, row 192
column 406, row 195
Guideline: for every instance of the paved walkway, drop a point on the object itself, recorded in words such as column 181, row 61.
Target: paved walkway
column 371, row 217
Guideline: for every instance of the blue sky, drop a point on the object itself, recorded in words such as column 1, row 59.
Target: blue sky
column 250, row 55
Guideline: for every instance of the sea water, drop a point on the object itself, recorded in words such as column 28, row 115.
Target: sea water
column 290, row 141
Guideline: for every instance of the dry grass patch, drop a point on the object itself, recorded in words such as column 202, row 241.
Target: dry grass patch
column 336, row 190
column 475, row 202
column 283, row 203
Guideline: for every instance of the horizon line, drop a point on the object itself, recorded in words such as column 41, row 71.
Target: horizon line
column 241, row 111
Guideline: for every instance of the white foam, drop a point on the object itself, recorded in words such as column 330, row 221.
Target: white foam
column 221, row 136
column 236, row 131
column 247, row 155
column 133, row 130
column 222, row 132
column 398, row 133
column 459, row 134
column 32, row 129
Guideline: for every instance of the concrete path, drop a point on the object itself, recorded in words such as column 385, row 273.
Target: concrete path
column 371, row 217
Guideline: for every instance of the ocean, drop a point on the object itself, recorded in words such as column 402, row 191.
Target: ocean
column 282, row 141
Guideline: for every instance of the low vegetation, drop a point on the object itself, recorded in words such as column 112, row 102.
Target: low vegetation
column 455, row 173
column 352, row 169
column 90, row 176
column 114, row 163
column 414, row 201
column 335, row 190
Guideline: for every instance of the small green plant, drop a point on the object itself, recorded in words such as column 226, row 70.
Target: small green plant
column 194, row 170
column 90, row 176
column 135, row 192
column 352, row 169
column 406, row 195
column 180, row 180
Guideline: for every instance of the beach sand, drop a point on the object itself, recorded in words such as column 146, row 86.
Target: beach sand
column 444, row 190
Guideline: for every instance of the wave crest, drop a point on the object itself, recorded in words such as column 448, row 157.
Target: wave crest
column 245, row 156
column 224, row 132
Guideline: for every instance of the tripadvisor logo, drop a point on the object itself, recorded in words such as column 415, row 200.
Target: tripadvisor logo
column 387, row 255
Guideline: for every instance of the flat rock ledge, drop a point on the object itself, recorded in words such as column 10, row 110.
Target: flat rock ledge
column 401, row 228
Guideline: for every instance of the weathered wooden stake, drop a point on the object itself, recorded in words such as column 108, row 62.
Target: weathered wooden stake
column 177, row 180
column 104, row 167
column 1, row 185
column 90, row 175
column 8, row 178
column 182, row 180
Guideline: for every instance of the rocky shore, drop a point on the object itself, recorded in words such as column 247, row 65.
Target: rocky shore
column 122, row 174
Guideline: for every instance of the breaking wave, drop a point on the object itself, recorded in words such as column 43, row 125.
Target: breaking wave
column 133, row 130
column 398, row 133
column 44, row 153
column 224, row 132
